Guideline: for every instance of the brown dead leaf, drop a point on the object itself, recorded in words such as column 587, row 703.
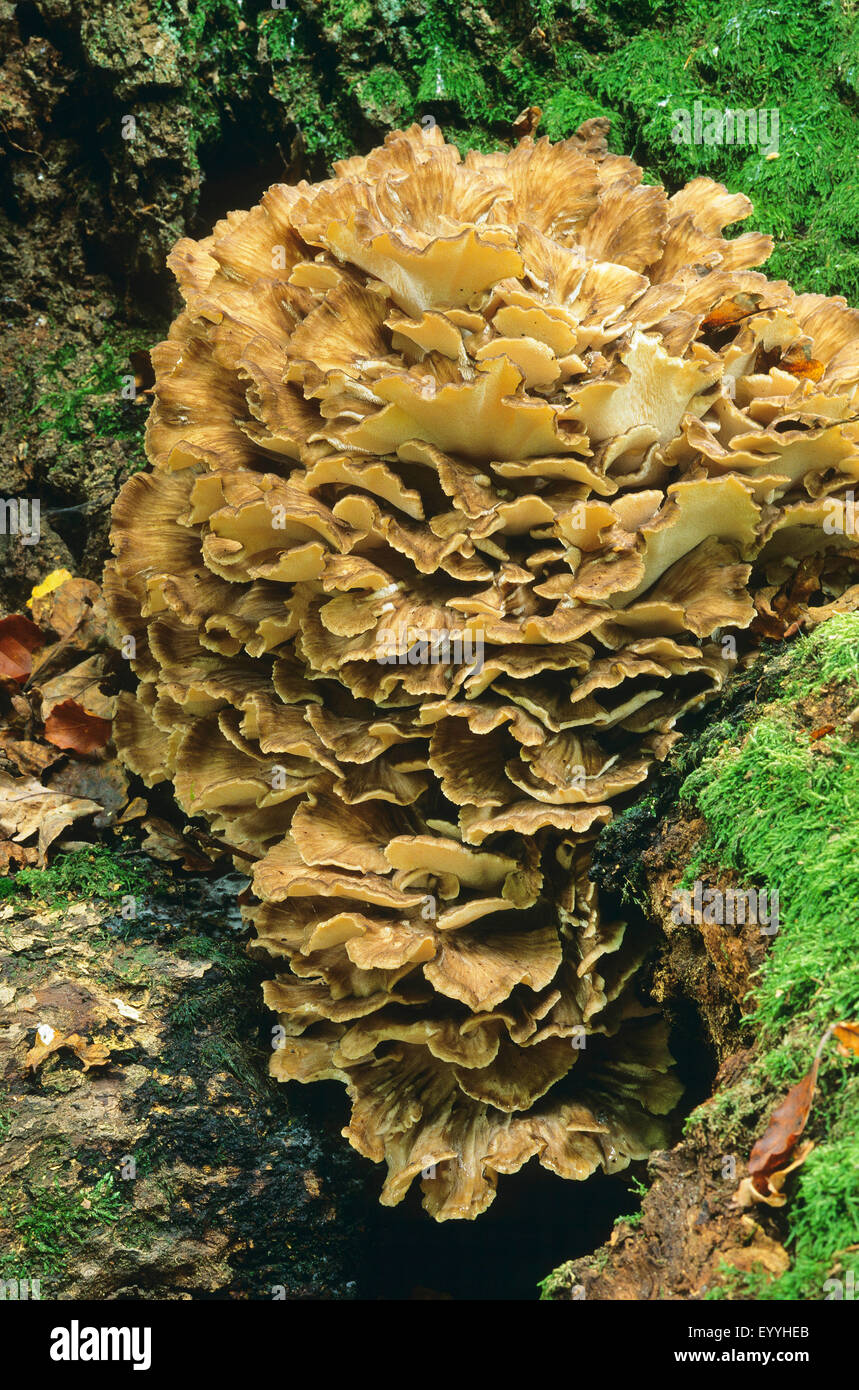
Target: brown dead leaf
column 527, row 121
column 19, row 638
column 105, row 782
column 48, row 1040
column 75, row 611
column 27, row 809
column 95, row 1054
column 21, row 707
column 27, row 755
column 81, row 683
column 731, row 311
column 10, row 854
column 800, row 363
column 70, row 726
column 782, row 612
column 848, row 1038
column 165, row 843
column 51, row 581
column 821, row 732
column 749, row 1193
column 786, row 1124
column 769, row 1162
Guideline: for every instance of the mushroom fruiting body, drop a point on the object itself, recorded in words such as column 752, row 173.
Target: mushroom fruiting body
column 461, row 471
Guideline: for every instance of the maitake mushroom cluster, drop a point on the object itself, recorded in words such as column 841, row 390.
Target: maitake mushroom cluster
column 461, row 468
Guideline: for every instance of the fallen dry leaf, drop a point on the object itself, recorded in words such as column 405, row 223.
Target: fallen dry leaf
column 527, row 121
column 781, row 612
column 731, row 311
column 73, row 608
column 48, row 584
column 748, row 1194
column 70, row 726
column 848, row 1038
column 11, row 853
column 786, row 1124
column 799, row 362
column 105, row 782
column 165, row 843
column 27, row 808
column 95, row 1054
column 19, row 638
column 82, row 684
column 48, row 1040
column 768, row 1161
column 27, row 755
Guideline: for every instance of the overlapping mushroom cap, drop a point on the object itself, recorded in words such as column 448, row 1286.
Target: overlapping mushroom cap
column 461, row 470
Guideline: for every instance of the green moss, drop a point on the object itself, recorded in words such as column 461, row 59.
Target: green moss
column 84, row 400
column 558, row 1284
column 451, row 77
column 306, row 85
column 563, row 1280
column 568, row 106
column 637, row 1189
column 208, row 1020
column 48, row 1221
column 784, row 811
column 752, row 56
column 830, row 653
column 219, row 46
column 385, row 97
column 85, row 873
column 344, row 72
column 348, row 15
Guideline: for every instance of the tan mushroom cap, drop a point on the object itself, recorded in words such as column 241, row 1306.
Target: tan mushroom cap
column 449, row 517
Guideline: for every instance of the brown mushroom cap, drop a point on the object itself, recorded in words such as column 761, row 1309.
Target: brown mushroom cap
column 461, row 471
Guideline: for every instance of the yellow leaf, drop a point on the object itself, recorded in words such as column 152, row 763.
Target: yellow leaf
column 53, row 581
